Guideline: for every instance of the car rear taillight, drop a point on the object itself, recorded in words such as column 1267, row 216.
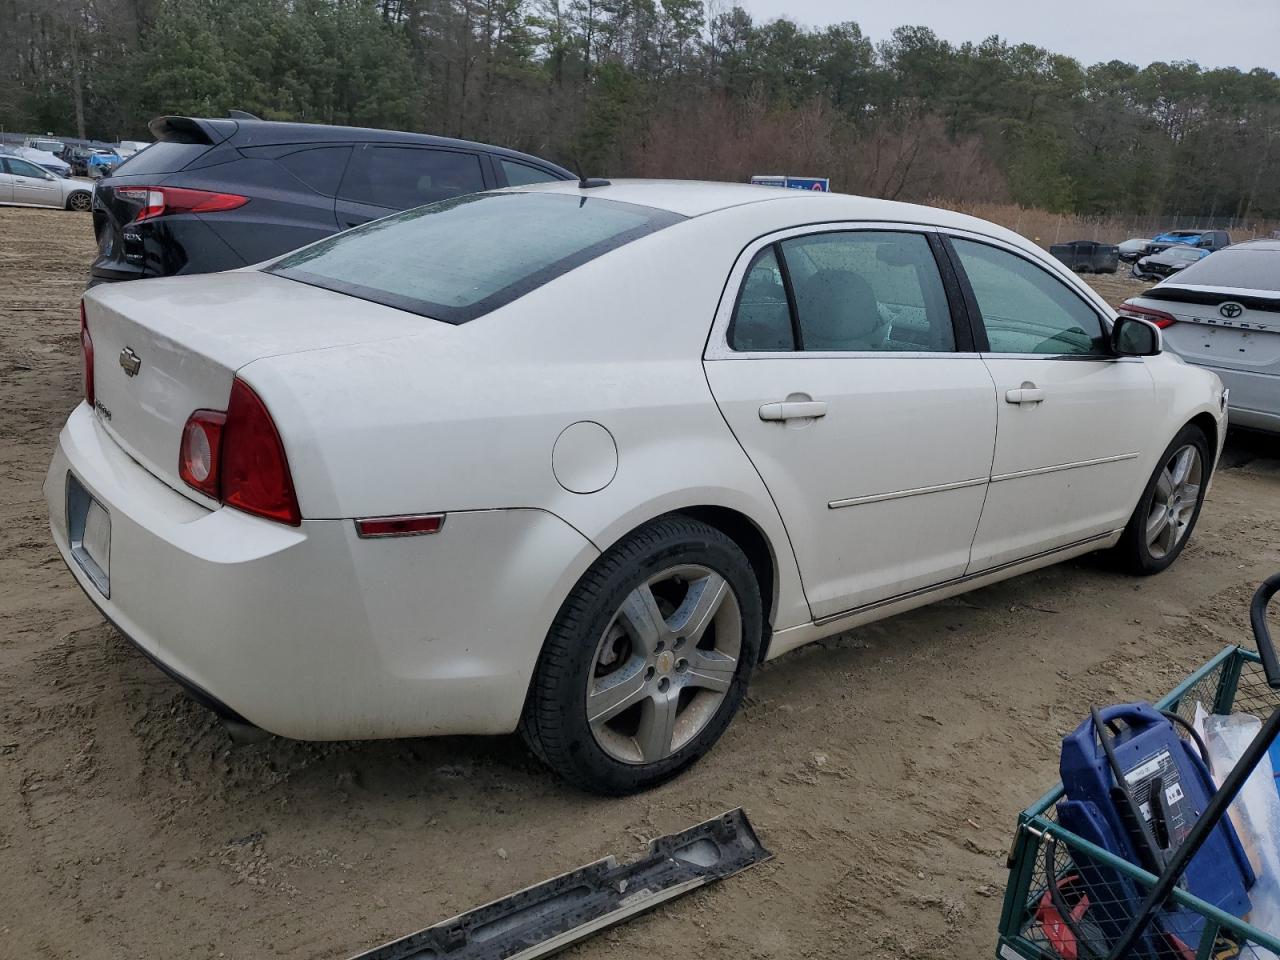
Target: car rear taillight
column 239, row 459
column 158, row 201
column 198, row 460
column 86, row 357
column 1158, row 317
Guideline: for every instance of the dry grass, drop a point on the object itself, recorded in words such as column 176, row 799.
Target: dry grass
column 1046, row 228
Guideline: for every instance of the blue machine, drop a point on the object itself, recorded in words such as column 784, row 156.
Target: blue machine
column 1135, row 788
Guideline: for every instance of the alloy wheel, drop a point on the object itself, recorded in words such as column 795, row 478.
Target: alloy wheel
column 664, row 664
column 1173, row 504
column 80, row 202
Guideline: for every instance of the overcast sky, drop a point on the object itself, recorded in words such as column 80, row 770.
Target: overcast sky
column 1214, row 33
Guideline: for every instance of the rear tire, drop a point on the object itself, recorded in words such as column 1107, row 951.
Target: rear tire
column 1169, row 507
column 80, row 201
column 658, row 640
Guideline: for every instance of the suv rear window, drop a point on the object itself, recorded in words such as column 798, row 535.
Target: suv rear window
column 162, row 157
column 462, row 258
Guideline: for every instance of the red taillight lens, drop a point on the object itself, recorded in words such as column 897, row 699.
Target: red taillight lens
column 1158, row 317
column 254, row 470
column 415, row 525
column 86, row 357
column 237, row 458
column 157, row 201
column 198, row 461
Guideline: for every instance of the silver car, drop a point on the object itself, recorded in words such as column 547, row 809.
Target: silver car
column 1223, row 313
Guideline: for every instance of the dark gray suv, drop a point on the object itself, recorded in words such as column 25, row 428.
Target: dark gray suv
column 214, row 194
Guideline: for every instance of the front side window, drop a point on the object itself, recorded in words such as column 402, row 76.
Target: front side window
column 462, row 258
column 1024, row 308
column 21, row 168
column 402, row 177
column 852, row 291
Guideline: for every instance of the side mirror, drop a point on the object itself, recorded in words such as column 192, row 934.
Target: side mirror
column 1131, row 337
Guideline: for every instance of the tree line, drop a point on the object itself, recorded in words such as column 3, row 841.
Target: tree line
column 669, row 88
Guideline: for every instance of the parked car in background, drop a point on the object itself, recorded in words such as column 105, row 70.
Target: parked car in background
column 422, row 470
column 45, row 145
column 76, row 157
column 1157, row 266
column 1223, row 313
column 127, row 148
column 24, row 184
column 221, row 193
column 1203, row 239
column 101, row 163
column 44, row 160
column 1131, row 250
column 1087, row 256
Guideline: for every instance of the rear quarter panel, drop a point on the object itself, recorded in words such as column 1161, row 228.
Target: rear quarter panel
column 467, row 417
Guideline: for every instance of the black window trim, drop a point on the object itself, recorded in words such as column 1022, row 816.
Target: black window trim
column 978, row 325
column 961, row 326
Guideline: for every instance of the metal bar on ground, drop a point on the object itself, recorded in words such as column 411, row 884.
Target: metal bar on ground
column 552, row 915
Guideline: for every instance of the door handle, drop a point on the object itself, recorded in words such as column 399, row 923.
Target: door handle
column 1027, row 393
column 794, row 410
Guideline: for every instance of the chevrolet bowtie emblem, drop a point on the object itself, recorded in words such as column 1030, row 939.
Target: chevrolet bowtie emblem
column 130, row 362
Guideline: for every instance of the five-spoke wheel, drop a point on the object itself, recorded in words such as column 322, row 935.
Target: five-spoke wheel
column 1167, row 512
column 648, row 659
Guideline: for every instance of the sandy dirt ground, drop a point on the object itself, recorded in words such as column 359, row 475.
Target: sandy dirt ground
column 884, row 768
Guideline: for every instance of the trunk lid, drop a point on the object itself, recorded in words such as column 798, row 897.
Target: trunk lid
column 168, row 347
column 1227, row 328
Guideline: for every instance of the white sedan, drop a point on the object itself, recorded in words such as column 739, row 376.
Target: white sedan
column 574, row 459
column 24, row 184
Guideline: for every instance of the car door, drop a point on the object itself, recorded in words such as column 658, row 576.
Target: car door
column 1073, row 419
column 32, row 184
column 383, row 178
column 838, row 365
column 6, row 182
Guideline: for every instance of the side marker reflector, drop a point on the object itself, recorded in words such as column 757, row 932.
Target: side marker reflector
column 413, row 525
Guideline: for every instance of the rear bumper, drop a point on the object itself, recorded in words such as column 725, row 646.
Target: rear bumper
column 312, row 632
column 1254, row 402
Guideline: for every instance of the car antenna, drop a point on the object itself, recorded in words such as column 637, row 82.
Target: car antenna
column 585, row 182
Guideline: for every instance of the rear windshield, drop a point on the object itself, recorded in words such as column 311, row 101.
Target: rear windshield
column 163, row 157
column 461, row 258
column 1248, row 269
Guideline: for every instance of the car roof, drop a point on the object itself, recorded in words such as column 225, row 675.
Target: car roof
column 258, row 133
column 1262, row 244
column 694, row 198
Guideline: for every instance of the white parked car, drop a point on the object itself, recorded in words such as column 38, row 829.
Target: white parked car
column 574, row 460
column 1223, row 313
column 22, row 183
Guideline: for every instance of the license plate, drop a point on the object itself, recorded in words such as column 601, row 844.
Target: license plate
column 89, row 533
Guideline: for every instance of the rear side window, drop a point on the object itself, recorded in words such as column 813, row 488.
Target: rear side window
column 1024, row 308
column 162, row 157
column 854, row 291
column 518, row 174
column 320, row 168
column 402, row 177
column 459, row 259
column 1235, row 267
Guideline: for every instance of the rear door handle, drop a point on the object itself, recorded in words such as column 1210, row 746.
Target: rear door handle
column 794, row 410
column 1027, row 393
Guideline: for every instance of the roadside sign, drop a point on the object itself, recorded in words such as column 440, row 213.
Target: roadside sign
column 821, row 184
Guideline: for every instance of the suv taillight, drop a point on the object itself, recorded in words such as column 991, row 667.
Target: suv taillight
column 1158, row 317
column 237, row 458
column 158, row 201
column 86, row 357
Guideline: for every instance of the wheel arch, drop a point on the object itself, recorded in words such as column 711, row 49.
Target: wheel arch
column 1206, row 423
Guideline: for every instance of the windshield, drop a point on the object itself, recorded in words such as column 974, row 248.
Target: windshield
column 1239, row 267
column 461, row 258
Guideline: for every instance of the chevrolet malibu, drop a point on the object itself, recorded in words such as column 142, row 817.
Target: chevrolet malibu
column 574, row 458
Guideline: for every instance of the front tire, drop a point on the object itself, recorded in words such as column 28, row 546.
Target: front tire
column 80, row 201
column 1169, row 507
column 648, row 659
